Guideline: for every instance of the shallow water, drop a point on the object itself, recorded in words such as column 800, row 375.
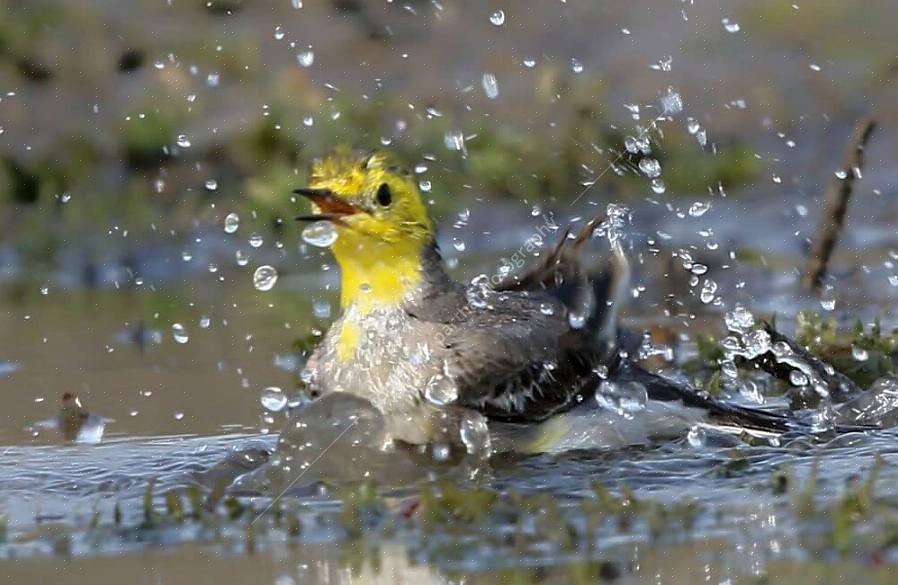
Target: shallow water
column 179, row 410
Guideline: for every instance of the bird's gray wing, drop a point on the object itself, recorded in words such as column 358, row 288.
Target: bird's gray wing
column 517, row 358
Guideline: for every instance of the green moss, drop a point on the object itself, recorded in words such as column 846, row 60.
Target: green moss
column 149, row 512
column 269, row 197
column 145, row 136
column 838, row 346
column 362, row 506
column 447, row 504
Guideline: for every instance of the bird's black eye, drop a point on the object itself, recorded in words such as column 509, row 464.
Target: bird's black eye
column 384, row 195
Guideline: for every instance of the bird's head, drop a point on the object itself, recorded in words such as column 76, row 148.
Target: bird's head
column 382, row 224
column 370, row 197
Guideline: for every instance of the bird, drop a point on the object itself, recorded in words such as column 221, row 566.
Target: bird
column 72, row 416
column 500, row 364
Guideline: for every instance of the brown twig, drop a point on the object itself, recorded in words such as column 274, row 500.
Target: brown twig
column 837, row 205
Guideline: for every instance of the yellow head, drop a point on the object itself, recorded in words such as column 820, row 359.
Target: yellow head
column 382, row 224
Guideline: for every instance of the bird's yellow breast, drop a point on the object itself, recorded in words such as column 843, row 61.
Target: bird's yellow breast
column 373, row 276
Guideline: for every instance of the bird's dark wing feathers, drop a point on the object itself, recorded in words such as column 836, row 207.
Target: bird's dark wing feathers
column 519, row 358
column 522, row 365
column 664, row 390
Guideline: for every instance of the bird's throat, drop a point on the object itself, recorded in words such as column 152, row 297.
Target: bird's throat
column 377, row 274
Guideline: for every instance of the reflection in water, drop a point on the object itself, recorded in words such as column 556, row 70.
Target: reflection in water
column 74, row 422
column 338, row 438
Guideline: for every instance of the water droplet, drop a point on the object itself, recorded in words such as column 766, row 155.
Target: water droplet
column 241, row 257
column 756, row 342
column 750, row 390
column 658, row 186
column 696, row 437
column 183, row 141
column 179, row 333
column 841, row 175
column 231, row 223
column 671, row 102
column 824, row 419
column 65, row 197
column 650, row 167
column 179, row 416
column 273, row 399
column 644, row 144
column 624, row 399
column 306, row 58
column 424, row 186
column 739, row 320
column 576, row 66
column 828, row 299
column 546, row 309
column 454, row 140
column 664, row 64
column 797, row 378
column 458, row 244
column 264, row 278
column 709, row 288
column 730, row 26
column 475, row 434
column 255, row 240
column 498, row 18
column 440, row 452
column 893, row 279
column 699, row 208
column 859, row 353
column 814, row 67
column 321, row 309
column 576, row 319
column 186, row 256
column 490, row 86
column 205, row 322
column 529, row 63
column 729, row 370
column 440, row 390
column 45, row 290
column 321, row 234
column 211, row 185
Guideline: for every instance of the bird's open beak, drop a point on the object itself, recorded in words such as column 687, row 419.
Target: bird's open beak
column 333, row 207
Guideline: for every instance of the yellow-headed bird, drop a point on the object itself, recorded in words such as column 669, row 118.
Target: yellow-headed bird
column 443, row 361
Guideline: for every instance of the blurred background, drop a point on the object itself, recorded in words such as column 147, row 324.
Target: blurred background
column 127, row 128
column 148, row 150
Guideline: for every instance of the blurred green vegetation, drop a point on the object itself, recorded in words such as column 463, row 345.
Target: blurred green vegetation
column 141, row 179
column 841, row 347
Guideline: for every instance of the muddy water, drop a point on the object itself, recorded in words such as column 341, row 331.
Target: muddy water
column 179, row 409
